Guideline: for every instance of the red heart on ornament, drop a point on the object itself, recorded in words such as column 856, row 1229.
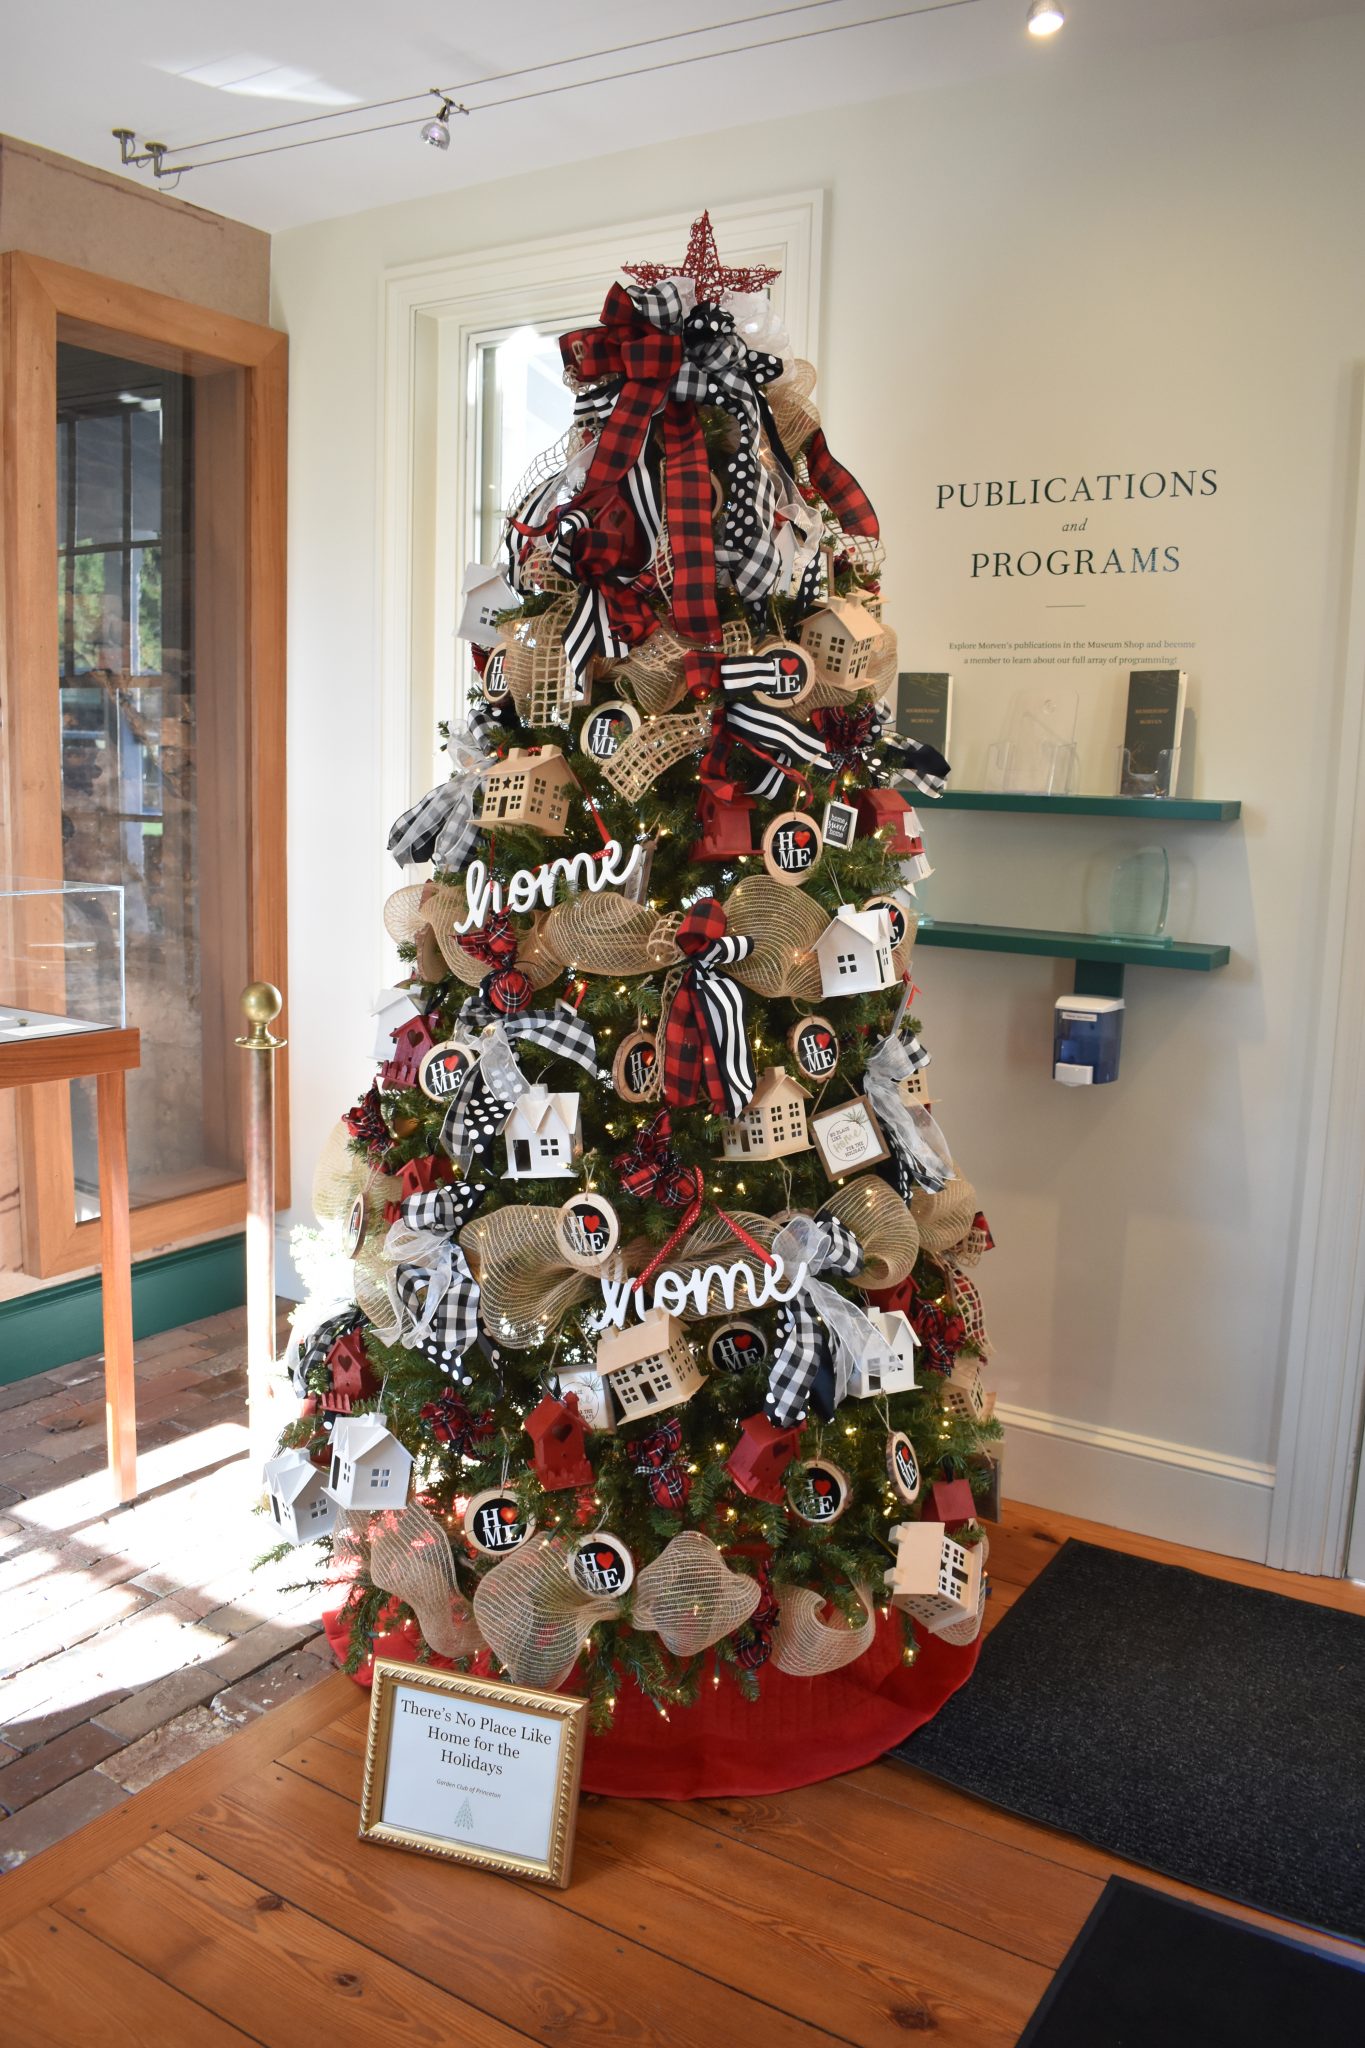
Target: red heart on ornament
column 592, row 1222
column 507, row 1513
column 822, row 1038
column 790, row 665
column 743, row 1340
column 822, row 1486
column 604, row 1559
column 801, row 838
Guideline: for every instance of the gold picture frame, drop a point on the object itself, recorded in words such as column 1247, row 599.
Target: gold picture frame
column 514, row 1759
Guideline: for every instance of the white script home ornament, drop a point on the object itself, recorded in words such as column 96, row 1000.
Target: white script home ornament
column 680, row 1293
column 609, row 869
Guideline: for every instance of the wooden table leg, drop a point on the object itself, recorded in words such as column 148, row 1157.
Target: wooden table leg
column 116, row 1277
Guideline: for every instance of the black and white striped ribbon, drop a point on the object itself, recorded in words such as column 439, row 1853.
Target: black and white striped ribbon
column 769, row 730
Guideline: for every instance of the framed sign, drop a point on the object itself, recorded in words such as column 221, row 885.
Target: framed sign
column 472, row 1769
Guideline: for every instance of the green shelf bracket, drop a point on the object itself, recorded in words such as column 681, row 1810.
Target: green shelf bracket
column 1098, row 978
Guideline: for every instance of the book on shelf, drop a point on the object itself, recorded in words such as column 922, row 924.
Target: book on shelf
column 1156, row 712
column 924, row 709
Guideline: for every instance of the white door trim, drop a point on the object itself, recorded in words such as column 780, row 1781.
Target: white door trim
column 430, row 314
column 1317, row 1454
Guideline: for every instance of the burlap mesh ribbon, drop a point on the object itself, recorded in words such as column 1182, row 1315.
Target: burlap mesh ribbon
column 813, row 1637
column 794, row 411
column 410, row 1558
column 534, row 1615
column 527, row 1286
column 946, row 1218
column 340, row 1177
column 607, row 934
column 659, row 745
column 784, row 924
column 690, row 1597
column 426, row 915
column 883, row 1226
column 537, row 668
column 655, row 672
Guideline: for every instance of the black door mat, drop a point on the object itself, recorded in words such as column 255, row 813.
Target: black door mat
column 1148, row 1971
column 1210, row 1731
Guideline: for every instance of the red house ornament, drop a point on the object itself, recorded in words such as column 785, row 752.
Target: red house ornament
column 557, row 1430
column 419, row 1177
column 410, row 1042
column 760, row 1459
column 879, row 808
column 951, row 1502
column 723, row 821
column 349, row 1377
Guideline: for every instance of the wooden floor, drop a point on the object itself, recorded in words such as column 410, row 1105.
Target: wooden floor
column 231, row 1901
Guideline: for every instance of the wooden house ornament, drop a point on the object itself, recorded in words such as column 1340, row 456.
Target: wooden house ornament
column 648, row 1365
column 300, row 1504
column 854, row 953
column 723, row 829
column 531, row 787
column 774, row 1124
column 870, row 1377
column 965, row 1391
column 370, row 1468
column 349, row 1376
column 935, row 1579
column 544, row 1136
column 557, row 1430
column 841, row 639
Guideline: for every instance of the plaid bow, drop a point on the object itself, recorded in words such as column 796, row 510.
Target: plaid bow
column 312, row 1352
column 745, row 719
column 921, row 765
column 848, row 733
column 650, row 1169
column 754, row 1642
column 658, row 1461
column 704, row 1040
column 719, row 370
column 366, row 1124
column 507, row 990
column 436, row 1290
column 452, row 1423
column 841, row 491
column 802, row 1372
column 938, row 1326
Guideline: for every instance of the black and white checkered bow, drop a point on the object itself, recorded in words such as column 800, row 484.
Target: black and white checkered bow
column 802, row 1374
column 487, row 1091
column 441, row 825
column 914, row 1137
column 921, row 765
column 313, row 1349
column 436, row 1290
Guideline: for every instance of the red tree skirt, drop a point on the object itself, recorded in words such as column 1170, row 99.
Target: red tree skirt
column 799, row 1731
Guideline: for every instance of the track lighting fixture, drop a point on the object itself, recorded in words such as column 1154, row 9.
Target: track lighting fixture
column 437, row 130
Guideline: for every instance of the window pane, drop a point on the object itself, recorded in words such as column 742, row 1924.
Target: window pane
column 524, row 407
column 152, row 581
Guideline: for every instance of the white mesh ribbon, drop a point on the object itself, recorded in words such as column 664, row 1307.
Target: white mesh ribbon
column 410, row 1558
column 690, row 1597
column 813, row 1638
column 536, row 1618
column 914, row 1135
column 823, row 1334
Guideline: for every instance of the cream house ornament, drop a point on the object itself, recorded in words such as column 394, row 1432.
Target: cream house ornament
column 935, row 1579
column 648, row 1365
column 774, row 1124
column 965, row 1391
column 369, row 1468
column 544, row 1136
column 531, row 787
column 854, row 953
column 841, row 639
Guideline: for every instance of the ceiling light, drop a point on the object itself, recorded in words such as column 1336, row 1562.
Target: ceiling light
column 1045, row 17
column 437, row 131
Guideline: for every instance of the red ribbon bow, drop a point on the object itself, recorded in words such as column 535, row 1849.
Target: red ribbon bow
column 846, row 733
column 650, row 1169
column 507, row 989
column 659, row 1463
column 451, row 1421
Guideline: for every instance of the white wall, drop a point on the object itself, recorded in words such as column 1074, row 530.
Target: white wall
column 1085, row 269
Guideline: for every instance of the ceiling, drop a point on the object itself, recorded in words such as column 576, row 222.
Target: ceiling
column 182, row 71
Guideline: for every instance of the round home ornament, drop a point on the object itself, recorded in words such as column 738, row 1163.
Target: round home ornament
column 792, row 675
column 814, row 1048
column 493, row 681
column 441, row 1068
column 896, row 914
column 792, row 845
column 495, row 1521
column 601, row 1564
column 902, row 1468
column 817, row 1491
column 353, row 1230
column 603, row 730
column 632, row 1071
column 736, row 1345
column 587, row 1232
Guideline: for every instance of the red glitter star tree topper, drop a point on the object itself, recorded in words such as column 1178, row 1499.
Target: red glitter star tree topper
column 703, row 265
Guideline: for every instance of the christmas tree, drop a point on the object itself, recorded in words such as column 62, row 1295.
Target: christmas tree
column 658, row 1292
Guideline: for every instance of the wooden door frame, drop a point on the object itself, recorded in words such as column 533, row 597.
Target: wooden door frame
column 35, row 295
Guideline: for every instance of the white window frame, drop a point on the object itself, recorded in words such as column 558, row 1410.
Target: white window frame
column 435, row 316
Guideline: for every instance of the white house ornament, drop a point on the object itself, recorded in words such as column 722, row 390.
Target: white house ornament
column 792, row 845
column 441, row 1068
column 840, row 825
column 604, row 729
column 587, row 1231
column 634, row 1068
column 935, row 1579
column 601, row 1564
column 814, row 1047
column 848, row 1138
column 495, row 1522
column 369, row 1468
column 299, row 1501
column 736, row 1345
column 854, row 953
column 817, row 1490
column 896, row 916
column 544, row 1135
column 871, row 1378
column 902, row 1468
column 486, row 592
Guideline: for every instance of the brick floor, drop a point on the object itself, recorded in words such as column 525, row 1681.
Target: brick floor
column 133, row 1637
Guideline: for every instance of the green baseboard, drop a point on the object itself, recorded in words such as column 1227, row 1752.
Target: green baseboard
column 59, row 1324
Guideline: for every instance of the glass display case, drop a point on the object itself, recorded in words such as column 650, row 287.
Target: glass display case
column 61, row 958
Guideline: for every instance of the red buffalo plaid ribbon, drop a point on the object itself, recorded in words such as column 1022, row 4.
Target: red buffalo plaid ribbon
column 754, row 1642
column 617, row 542
column 651, row 1170
column 840, row 489
column 847, row 733
column 452, row 1423
column 705, row 1049
column 658, row 1461
column 940, row 1330
column 506, row 990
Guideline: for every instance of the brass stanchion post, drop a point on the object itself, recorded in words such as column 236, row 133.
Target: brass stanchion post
column 261, row 1003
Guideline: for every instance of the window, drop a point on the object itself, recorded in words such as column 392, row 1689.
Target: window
column 847, row 963
column 550, row 1148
